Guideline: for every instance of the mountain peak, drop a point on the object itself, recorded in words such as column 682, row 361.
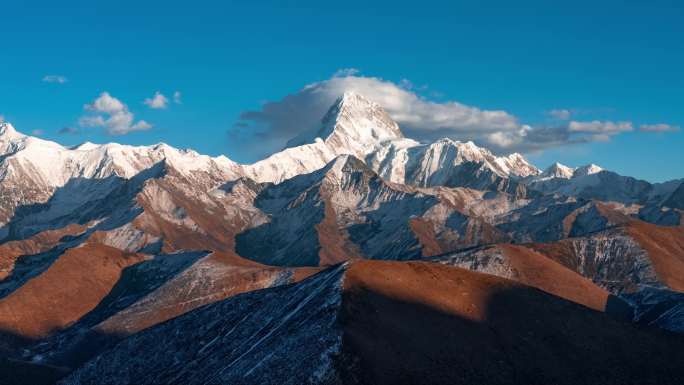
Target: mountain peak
column 587, row 170
column 357, row 124
column 558, row 170
column 353, row 125
column 7, row 131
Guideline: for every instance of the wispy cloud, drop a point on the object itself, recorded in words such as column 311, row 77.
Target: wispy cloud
column 177, row 97
column 344, row 72
column 110, row 113
column 157, row 102
column 660, row 127
column 68, row 131
column 59, row 79
column 600, row 127
column 560, row 114
column 37, row 132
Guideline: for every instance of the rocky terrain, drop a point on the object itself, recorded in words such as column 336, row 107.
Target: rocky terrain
column 123, row 264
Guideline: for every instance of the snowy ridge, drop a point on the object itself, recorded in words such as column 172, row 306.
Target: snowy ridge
column 432, row 164
column 51, row 164
column 33, row 170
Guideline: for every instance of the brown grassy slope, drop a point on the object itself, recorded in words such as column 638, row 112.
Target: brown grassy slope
column 72, row 286
column 536, row 270
column 665, row 248
column 41, row 242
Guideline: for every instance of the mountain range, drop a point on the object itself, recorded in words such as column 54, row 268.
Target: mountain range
column 353, row 255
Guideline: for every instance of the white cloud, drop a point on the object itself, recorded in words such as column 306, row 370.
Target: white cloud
column 59, row 79
column 92, row 121
column 560, row 114
column 660, row 127
column 344, row 72
column 112, row 114
column 107, row 104
column 267, row 130
column 600, row 127
column 157, row 102
column 177, row 97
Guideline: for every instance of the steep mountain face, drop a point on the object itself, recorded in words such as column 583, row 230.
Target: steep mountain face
column 354, row 124
column 366, row 323
column 339, row 212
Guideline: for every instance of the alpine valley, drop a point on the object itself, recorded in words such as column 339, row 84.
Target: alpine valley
column 353, row 256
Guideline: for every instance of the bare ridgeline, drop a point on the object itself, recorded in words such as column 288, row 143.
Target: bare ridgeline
column 353, row 256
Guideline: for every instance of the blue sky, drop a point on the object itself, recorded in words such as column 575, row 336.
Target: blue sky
column 604, row 61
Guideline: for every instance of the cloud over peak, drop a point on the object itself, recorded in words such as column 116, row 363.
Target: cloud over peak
column 110, row 113
column 271, row 126
column 278, row 121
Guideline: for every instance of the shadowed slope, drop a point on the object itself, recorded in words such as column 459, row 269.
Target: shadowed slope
column 392, row 323
column 425, row 323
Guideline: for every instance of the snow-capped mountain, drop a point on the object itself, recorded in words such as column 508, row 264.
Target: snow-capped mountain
column 593, row 182
column 359, row 127
column 446, row 163
column 100, row 242
column 33, row 169
column 353, row 126
column 51, row 164
column 556, row 170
